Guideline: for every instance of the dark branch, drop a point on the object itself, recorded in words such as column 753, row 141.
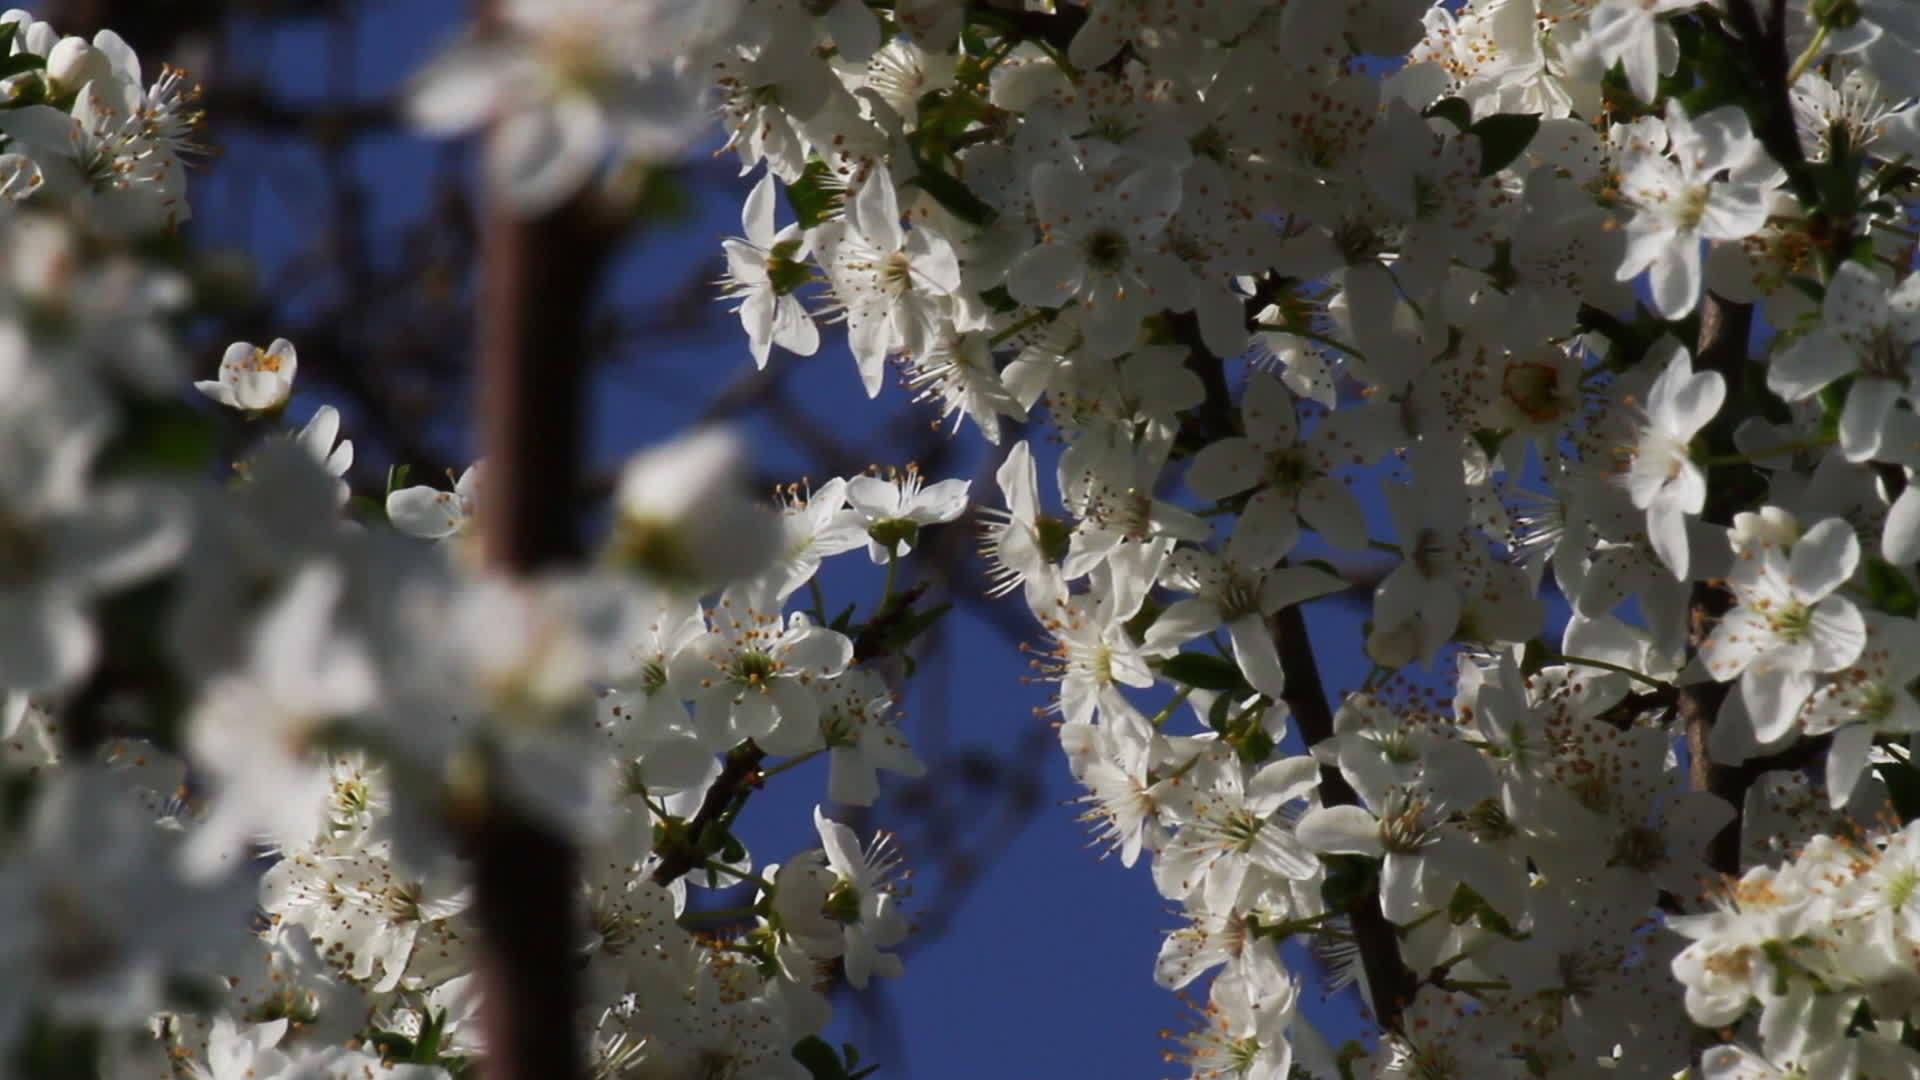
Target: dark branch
column 1391, row 983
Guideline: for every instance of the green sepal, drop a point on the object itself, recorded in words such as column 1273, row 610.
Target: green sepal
column 843, row 621
column 1252, row 744
column 812, row 200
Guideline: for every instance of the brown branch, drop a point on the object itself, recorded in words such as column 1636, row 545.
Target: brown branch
column 538, row 278
column 1760, row 49
column 1722, row 348
column 739, row 777
column 1390, row 982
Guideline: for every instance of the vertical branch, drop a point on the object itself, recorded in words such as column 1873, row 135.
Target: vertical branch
column 537, row 279
column 1722, row 347
column 1389, row 981
column 530, row 409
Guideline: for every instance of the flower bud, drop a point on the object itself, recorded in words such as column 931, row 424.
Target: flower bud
column 73, row 63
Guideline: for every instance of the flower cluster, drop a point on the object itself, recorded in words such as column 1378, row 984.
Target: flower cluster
column 1811, row 942
column 1465, row 343
column 1255, row 307
column 242, row 855
column 613, row 701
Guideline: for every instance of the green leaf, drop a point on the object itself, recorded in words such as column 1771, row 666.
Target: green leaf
column 1465, row 905
column 813, row 200
column 49, row 1049
column 1892, row 592
column 368, row 507
column 159, row 435
column 665, row 198
column 819, row 1059
column 135, row 626
column 1809, row 287
column 944, row 115
column 432, row 1032
column 1453, row 110
column 21, row 62
column 843, row 620
column 1502, row 137
column 397, row 477
column 1534, row 657
column 956, row 197
column 1903, row 787
column 1202, row 670
column 393, row 1045
column 999, row 299
column 1142, row 621
column 1217, row 715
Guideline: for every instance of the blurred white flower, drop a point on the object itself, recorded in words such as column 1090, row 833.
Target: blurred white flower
column 681, row 517
column 568, row 84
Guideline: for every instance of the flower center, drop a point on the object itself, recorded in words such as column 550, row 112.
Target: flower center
column 842, row 904
column 1691, row 206
column 1105, row 249
column 1534, row 389
column 1902, row 886
column 1289, row 471
column 1403, row 828
column 1886, row 355
column 1241, row 828
column 753, row 668
column 1639, row 848
column 1487, row 819
column 784, row 272
column 896, row 273
column 1792, row 622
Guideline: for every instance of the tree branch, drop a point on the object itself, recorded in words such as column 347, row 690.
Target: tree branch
column 1722, row 347
column 1390, row 983
column 538, row 278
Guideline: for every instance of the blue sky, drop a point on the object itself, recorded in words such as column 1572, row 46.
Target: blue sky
column 1046, row 969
